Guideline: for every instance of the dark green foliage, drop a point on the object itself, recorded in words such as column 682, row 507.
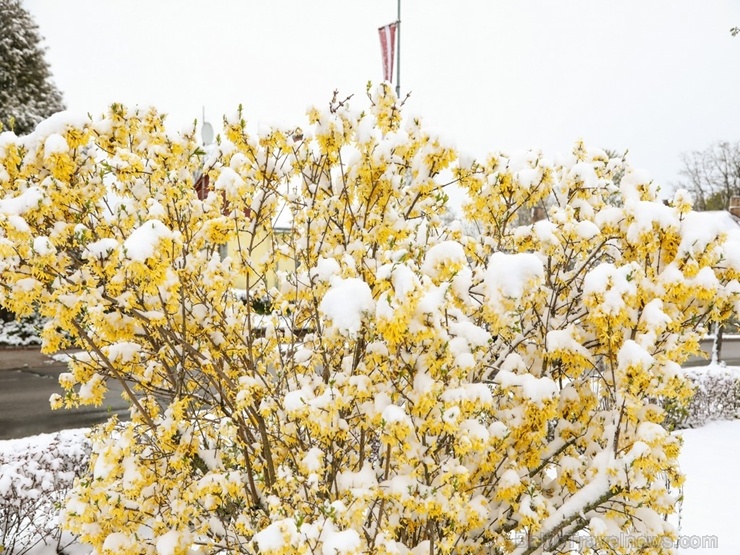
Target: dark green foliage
column 262, row 306
column 27, row 93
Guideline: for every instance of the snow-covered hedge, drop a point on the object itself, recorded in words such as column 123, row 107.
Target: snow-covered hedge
column 716, row 395
column 35, row 476
column 21, row 332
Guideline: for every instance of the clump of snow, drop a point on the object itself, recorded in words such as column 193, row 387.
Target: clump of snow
column 446, row 253
column 394, row 413
column 58, row 124
column 25, row 201
column 647, row 216
column 276, row 536
column 313, row 458
column 325, row 268
column 545, row 232
column 633, row 354
column 342, row 542
column 117, row 542
column 296, row 399
column 346, row 302
column 650, row 431
column 564, row 340
column 143, row 241
column 615, row 284
column 357, row 482
column 508, row 276
column 653, row 316
column 55, row 144
column 171, row 542
column 42, row 246
column 404, row 280
column 699, row 229
column 585, row 173
column 533, row 388
column 123, row 351
column 479, row 393
column 509, row 479
column 632, row 181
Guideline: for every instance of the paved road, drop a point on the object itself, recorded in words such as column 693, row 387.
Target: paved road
column 27, row 380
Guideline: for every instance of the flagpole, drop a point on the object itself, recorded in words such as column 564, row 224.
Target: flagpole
column 398, row 61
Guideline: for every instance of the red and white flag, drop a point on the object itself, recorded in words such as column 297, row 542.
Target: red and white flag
column 388, row 48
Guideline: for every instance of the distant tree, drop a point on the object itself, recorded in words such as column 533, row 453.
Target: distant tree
column 712, row 176
column 27, row 93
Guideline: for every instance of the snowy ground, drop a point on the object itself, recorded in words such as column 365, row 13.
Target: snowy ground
column 709, row 512
column 711, row 494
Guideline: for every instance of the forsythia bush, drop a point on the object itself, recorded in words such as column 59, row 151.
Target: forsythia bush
column 415, row 387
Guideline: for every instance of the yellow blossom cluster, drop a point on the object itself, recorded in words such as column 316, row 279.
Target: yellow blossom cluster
column 382, row 377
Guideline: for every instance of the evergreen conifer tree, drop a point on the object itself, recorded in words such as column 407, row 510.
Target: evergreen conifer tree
column 27, row 93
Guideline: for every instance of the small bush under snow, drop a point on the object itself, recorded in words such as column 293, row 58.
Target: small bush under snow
column 35, row 476
column 21, row 332
column 716, row 395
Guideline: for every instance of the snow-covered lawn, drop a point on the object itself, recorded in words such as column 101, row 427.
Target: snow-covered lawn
column 712, row 491
column 709, row 459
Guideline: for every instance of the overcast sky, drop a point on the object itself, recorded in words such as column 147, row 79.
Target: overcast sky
column 657, row 77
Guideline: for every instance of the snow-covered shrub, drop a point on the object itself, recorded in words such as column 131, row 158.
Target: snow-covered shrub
column 716, row 395
column 28, row 93
column 415, row 388
column 36, row 474
column 21, row 332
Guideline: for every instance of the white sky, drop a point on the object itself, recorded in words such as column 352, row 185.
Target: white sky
column 657, row 77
